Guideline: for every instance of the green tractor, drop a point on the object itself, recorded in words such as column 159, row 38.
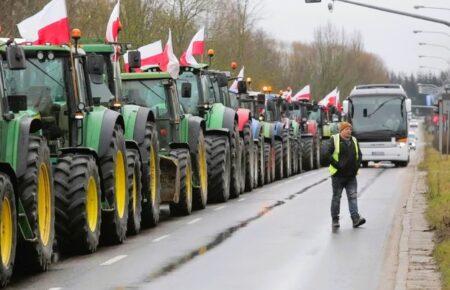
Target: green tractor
column 87, row 146
column 225, row 146
column 27, row 203
column 140, row 133
column 184, row 176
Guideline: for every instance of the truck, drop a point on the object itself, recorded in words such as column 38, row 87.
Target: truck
column 379, row 116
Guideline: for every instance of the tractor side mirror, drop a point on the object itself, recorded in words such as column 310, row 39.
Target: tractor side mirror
column 134, row 59
column 242, row 87
column 261, row 99
column 15, row 56
column 95, row 67
column 222, row 80
column 186, row 89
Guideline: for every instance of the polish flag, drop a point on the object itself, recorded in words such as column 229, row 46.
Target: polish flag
column 50, row 25
column 287, row 95
column 234, row 85
column 331, row 99
column 114, row 25
column 196, row 47
column 303, row 94
column 151, row 55
column 169, row 62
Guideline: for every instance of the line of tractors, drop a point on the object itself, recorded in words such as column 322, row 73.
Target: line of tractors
column 88, row 154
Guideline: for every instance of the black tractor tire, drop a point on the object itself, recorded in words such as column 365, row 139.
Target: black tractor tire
column 34, row 185
column 401, row 163
column 115, row 189
column 200, row 165
column 134, row 191
column 294, row 157
column 219, row 168
column 261, row 163
column 184, row 205
column 317, row 159
column 249, row 153
column 236, row 178
column 77, row 232
column 7, row 210
column 325, row 157
column 300, row 155
column 151, row 198
column 267, row 163
column 308, row 154
column 243, row 167
column 287, row 166
column 279, row 166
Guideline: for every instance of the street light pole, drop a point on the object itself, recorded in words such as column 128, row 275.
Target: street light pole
column 436, row 57
column 430, row 7
column 426, row 18
column 436, row 45
column 428, row 31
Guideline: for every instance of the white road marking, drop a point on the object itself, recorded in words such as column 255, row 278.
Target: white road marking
column 241, row 199
column 194, row 221
column 160, row 238
column 220, row 207
column 113, row 260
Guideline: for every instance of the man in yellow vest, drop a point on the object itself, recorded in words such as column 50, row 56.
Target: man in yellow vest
column 344, row 165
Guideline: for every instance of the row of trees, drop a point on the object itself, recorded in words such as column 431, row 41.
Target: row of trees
column 334, row 59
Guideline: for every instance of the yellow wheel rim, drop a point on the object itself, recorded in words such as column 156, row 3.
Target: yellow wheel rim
column 202, row 168
column 92, row 204
column 120, row 190
column 44, row 204
column 188, row 183
column 153, row 181
column 6, row 234
column 134, row 192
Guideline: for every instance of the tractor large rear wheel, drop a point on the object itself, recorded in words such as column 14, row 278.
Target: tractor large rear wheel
column 287, row 166
column 236, row 178
column 184, row 205
column 219, row 168
column 115, row 189
column 249, row 158
column 200, row 190
column 267, row 163
column 134, row 191
column 38, row 200
column 317, row 146
column 308, row 154
column 325, row 157
column 260, row 163
column 8, row 229
column 151, row 198
column 294, row 157
column 279, row 160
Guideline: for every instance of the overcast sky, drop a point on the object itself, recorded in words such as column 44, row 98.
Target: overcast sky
column 389, row 36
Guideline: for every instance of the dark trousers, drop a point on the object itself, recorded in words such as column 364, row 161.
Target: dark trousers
column 351, row 186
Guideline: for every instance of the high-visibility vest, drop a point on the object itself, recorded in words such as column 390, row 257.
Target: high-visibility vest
column 335, row 156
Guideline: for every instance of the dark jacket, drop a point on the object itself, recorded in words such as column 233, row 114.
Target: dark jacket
column 348, row 164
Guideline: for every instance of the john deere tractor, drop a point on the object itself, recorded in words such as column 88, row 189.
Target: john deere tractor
column 224, row 144
column 140, row 134
column 87, row 145
column 181, row 139
column 27, row 205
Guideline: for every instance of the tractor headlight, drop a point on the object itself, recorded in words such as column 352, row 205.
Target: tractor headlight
column 261, row 118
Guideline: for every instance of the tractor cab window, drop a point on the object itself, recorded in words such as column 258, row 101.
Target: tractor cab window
column 105, row 90
column 208, row 89
column 190, row 105
column 234, row 101
column 82, row 87
column 148, row 93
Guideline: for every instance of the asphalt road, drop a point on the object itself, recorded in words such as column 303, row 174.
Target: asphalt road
column 276, row 237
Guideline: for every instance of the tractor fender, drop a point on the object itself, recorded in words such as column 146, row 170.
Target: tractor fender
column 27, row 126
column 220, row 116
column 143, row 116
column 109, row 120
column 196, row 125
column 278, row 129
column 268, row 130
column 256, row 129
column 244, row 116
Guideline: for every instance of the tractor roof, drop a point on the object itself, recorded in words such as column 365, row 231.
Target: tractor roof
column 99, row 48
column 145, row 76
column 31, row 48
column 195, row 67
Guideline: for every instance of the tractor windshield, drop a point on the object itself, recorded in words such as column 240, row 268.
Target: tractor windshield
column 189, row 104
column 105, row 90
column 147, row 93
column 42, row 82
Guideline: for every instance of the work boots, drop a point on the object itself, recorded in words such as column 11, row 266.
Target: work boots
column 335, row 223
column 358, row 221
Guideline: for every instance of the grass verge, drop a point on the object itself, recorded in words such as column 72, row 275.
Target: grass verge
column 438, row 211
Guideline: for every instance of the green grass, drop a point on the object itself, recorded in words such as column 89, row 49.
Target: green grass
column 438, row 211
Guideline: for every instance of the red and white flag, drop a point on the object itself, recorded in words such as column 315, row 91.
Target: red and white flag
column 331, row 99
column 234, row 85
column 151, row 55
column 196, row 47
column 50, row 25
column 114, row 26
column 287, row 95
column 169, row 62
column 304, row 94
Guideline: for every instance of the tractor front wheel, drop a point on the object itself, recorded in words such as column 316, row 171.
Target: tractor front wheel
column 134, row 191
column 184, row 205
column 249, row 158
column 279, row 160
column 8, row 229
column 267, row 163
column 308, row 154
column 200, row 189
column 219, row 168
column 236, row 178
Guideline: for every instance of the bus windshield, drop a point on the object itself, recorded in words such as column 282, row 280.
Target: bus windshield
column 379, row 115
